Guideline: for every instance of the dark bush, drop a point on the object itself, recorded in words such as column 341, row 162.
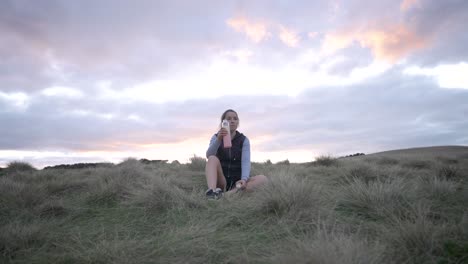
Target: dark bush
column 147, row 161
column 19, row 166
column 81, row 166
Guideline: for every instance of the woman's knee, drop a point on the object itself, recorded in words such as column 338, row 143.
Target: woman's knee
column 213, row 158
column 261, row 178
column 213, row 161
column 256, row 181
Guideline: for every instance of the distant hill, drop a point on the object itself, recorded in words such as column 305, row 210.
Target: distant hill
column 99, row 164
column 425, row 152
column 80, row 166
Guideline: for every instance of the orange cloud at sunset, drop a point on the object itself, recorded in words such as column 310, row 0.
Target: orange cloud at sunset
column 389, row 44
column 288, row 37
column 256, row 31
column 336, row 41
column 393, row 44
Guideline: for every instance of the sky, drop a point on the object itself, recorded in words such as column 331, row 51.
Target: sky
column 102, row 81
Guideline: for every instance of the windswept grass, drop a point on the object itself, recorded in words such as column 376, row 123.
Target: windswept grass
column 325, row 160
column 375, row 209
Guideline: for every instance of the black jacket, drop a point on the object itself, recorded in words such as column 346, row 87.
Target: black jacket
column 231, row 158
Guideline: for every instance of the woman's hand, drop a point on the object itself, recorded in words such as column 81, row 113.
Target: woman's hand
column 221, row 133
column 241, row 184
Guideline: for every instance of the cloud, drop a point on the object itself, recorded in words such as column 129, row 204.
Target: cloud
column 259, row 30
column 448, row 75
column 443, row 23
column 15, row 101
column 436, row 27
column 288, row 37
column 378, row 114
column 256, row 31
column 384, row 113
column 312, row 35
column 388, row 44
column 66, row 44
column 61, row 91
column 408, row 4
column 115, row 78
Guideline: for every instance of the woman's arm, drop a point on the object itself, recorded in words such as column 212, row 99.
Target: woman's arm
column 246, row 160
column 214, row 145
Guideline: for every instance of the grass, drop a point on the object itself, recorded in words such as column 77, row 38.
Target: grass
column 358, row 210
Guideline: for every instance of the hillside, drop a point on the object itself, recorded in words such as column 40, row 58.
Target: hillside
column 425, row 152
column 400, row 206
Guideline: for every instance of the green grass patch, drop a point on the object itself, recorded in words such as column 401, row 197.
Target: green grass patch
column 359, row 210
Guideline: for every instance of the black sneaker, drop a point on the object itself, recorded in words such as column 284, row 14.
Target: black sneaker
column 218, row 192
column 211, row 195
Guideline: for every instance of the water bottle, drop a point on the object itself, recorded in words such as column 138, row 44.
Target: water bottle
column 227, row 138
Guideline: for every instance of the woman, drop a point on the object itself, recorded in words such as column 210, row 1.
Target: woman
column 228, row 169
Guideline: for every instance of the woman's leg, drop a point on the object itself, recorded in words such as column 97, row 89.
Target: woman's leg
column 255, row 181
column 214, row 174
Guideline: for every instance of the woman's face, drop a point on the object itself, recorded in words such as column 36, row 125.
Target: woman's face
column 233, row 120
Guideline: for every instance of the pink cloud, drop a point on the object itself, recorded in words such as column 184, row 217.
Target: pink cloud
column 288, row 36
column 394, row 44
column 256, row 31
column 336, row 41
column 312, row 35
column 389, row 44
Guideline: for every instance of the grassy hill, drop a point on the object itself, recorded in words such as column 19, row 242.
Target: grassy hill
column 402, row 206
column 454, row 152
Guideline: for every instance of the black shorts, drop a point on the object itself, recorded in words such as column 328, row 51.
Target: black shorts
column 231, row 182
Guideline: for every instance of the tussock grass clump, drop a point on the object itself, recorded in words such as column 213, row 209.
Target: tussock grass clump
column 159, row 195
column 113, row 185
column 290, row 198
column 385, row 161
column 361, row 171
column 17, row 195
column 326, row 161
column 119, row 248
column 449, row 172
column 435, row 187
column 51, row 208
column 417, row 164
column 19, row 166
column 454, row 252
column 447, row 160
column 265, row 169
column 417, row 240
column 448, row 198
column 64, row 187
column 197, row 163
column 18, row 235
column 374, row 201
column 324, row 246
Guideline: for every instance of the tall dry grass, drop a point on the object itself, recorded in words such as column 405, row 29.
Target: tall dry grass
column 353, row 210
